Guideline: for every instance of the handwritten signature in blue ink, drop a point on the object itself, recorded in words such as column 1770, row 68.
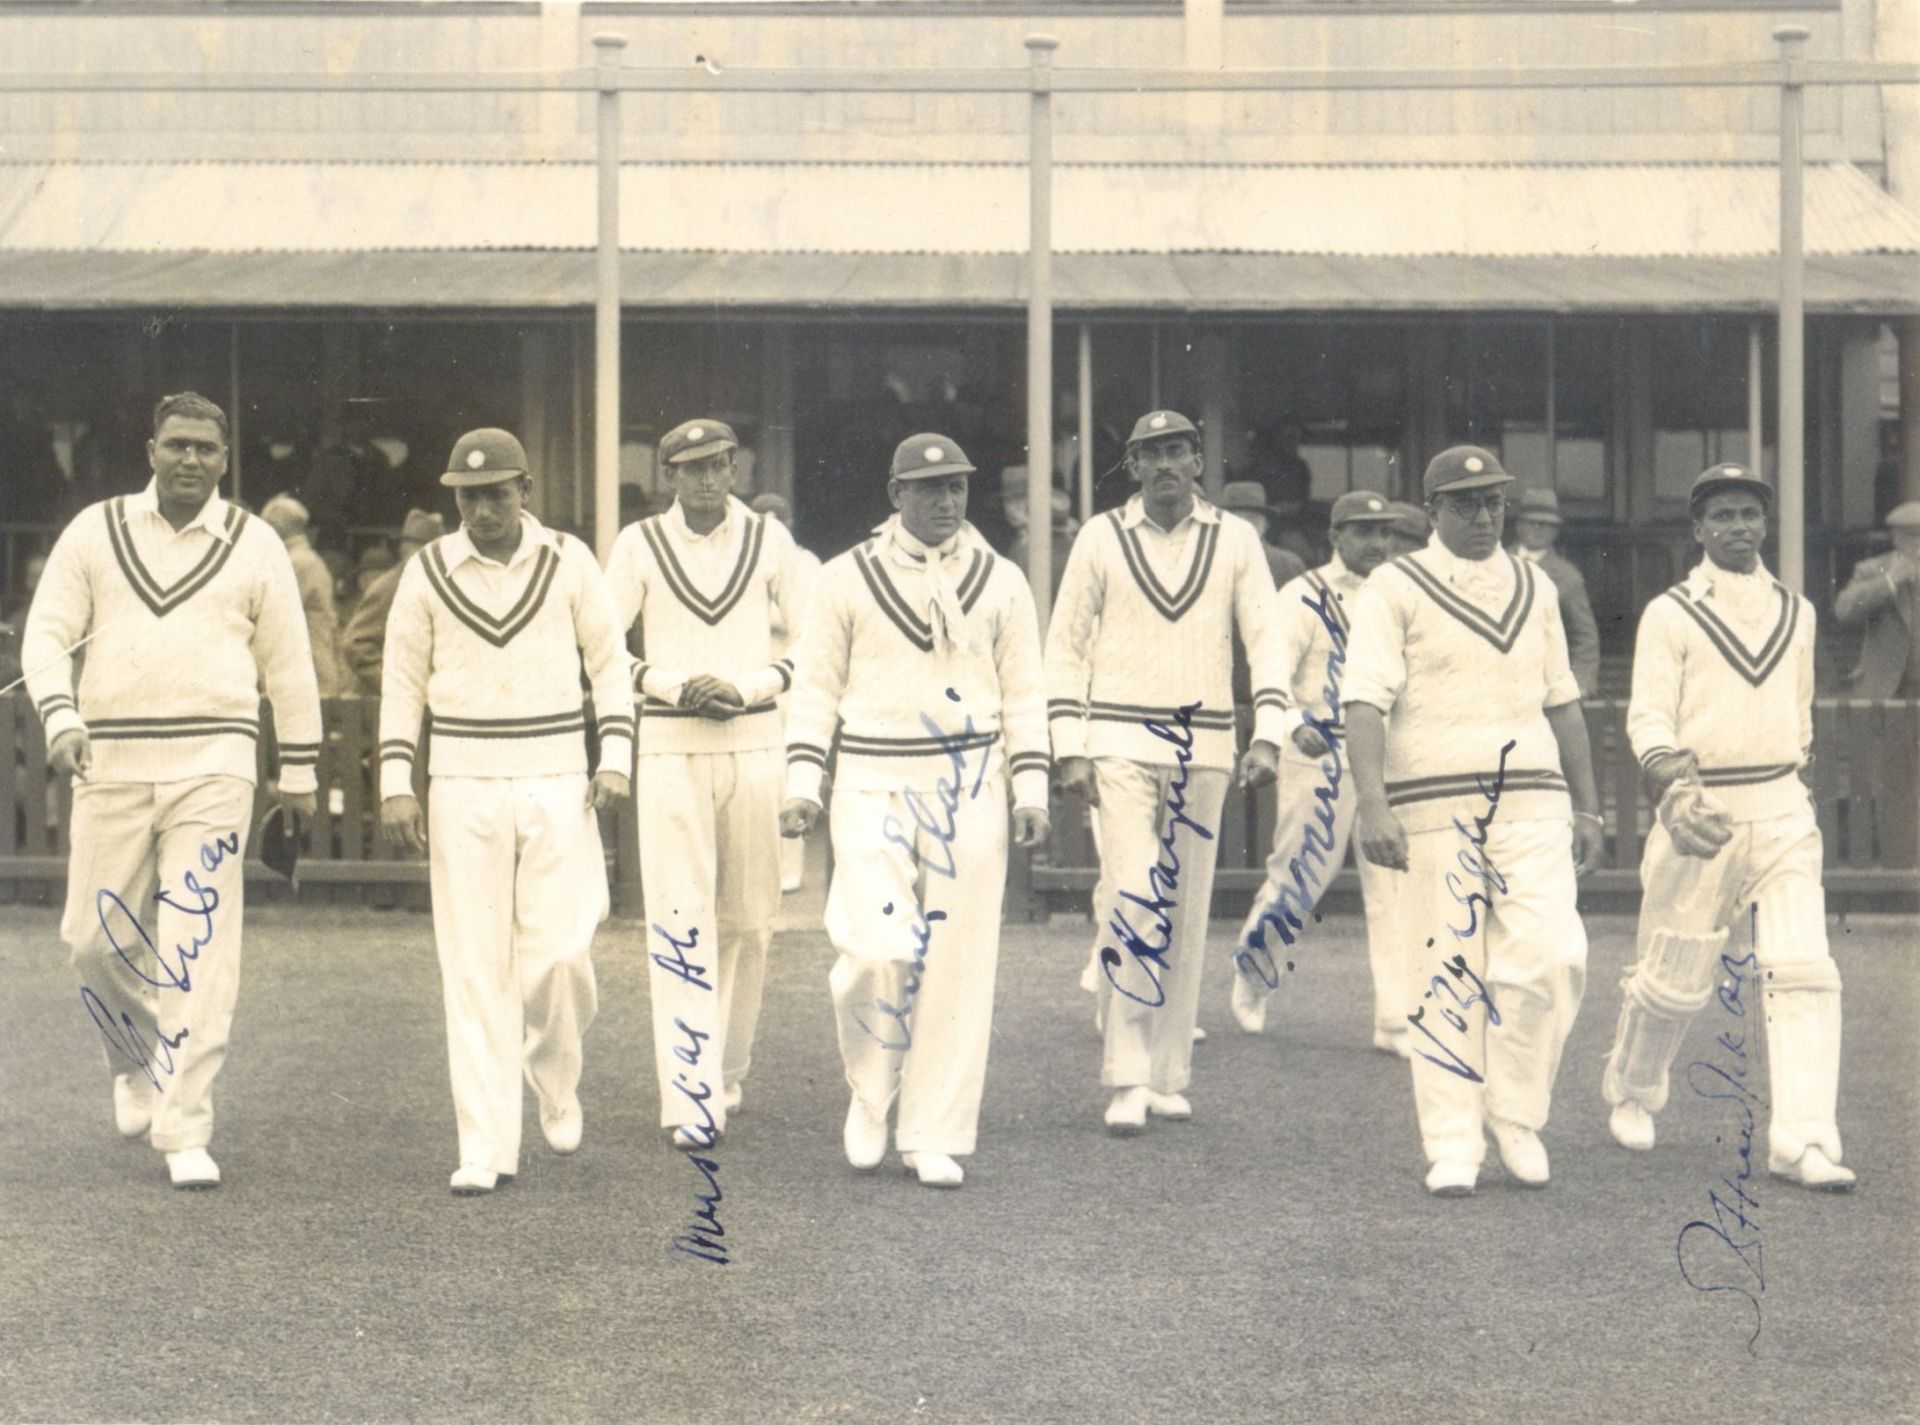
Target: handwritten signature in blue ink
column 948, row 789
column 704, row 1238
column 1163, row 877
column 124, row 1037
column 1474, row 860
column 1290, row 908
column 1735, row 1224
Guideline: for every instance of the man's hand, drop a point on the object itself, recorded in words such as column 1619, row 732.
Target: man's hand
column 401, row 824
column 1589, row 842
column 1259, row 765
column 1030, row 826
column 1075, row 775
column 299, row 808
column 1663, row 771
column 72, row 753
column 1382, row 839
column 1310, row 742
column 798, row 816
column 607, row 789
column 711, row 697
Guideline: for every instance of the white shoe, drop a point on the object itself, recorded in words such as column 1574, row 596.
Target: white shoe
column 1248, row 1002
column 788, row 887
column 934, row 1169
column 865, row 1135
column 730, row 1098
column 563, row 1129
column 1199, row 1034
column 1522, row 1151
column 1447, row 1178
column 695, row 1138
column 132, row 1104
column 471, row 1180
column 1127, row 1114
column 1631, row 1126
column 1389, row 1041
column 1171, row 1106
column 1815, row 1170
column 193, row 1168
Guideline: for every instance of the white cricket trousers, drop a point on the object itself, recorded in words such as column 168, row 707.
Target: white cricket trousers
column 1298, row 819
column 1525, row 941
column 519, row 883
column 710, row 873
column 138, row 878
column 915, row 915
column 1149, row 1035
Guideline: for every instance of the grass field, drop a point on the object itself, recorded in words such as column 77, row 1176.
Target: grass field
column 1275, row 1260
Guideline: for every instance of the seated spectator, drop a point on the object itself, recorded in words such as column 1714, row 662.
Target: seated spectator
column 287, row 517
column 364, row 643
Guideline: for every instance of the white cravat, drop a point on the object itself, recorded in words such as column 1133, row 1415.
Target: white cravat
column 939, row 566
column 1748, row 599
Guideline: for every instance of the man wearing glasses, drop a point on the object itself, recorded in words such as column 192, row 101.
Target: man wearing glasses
column 1473, row 779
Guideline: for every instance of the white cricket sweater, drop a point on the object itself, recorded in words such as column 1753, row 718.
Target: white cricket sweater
column 1723, row 667
column 1144, row 623
column 186, row 628
column 909, row 713
column 494, row 651
column 1310, row 610
column 1463, row 656
column 706, row 604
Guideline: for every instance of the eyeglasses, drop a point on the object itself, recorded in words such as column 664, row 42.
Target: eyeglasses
column 1470, row 507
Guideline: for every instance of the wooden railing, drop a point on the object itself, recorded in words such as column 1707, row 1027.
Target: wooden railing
column 1866, row 778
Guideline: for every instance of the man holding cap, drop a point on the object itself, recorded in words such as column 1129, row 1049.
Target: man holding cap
column 1883, row 595
column 490, row 628
column 1314, row 809
column 1721, row 718
column 1536, row 525
column 699, row 586
column 923, row 649
column 1140, row 703
column 1473, row 777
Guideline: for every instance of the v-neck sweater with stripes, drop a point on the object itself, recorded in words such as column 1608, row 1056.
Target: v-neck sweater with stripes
column 1735, row 691
column 1463, row 656
column 1144, row 623
column 706, row 604
column 187, row 626
column 495, row 651
column 1307, row 641
column 868, row 669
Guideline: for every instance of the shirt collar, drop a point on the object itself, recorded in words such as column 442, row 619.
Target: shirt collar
column 1454, row 569
column 458, row 546
column 212, row 517
column 1135, row 513
column 893, row 535
column 677, row 517
column 1335, row 571
column 1701, row 581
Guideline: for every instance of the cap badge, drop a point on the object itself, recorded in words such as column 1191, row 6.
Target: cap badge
column 1474, row 464
column 1158, row 423
column 1375, row 505
column 697, row 433
column 933, row 454
column 475, row 459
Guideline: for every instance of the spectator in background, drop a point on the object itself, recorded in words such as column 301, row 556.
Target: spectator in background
column 375, row 560
column 363, row 645
column 287, row 517
column 1882, row 597
column 1013, row 505
column 1536, row 525
column 1411, row 528
column 1248, row 500
column 13, row 617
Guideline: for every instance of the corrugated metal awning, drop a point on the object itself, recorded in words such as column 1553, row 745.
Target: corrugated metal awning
column 1696, row 237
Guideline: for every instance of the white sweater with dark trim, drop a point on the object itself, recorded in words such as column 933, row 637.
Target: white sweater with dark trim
column 1723, row 668
column 495, row 652
column 907, row 712
column 1144, row 623
column 1463, row 656
column 706, row 604
column 186, row 628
